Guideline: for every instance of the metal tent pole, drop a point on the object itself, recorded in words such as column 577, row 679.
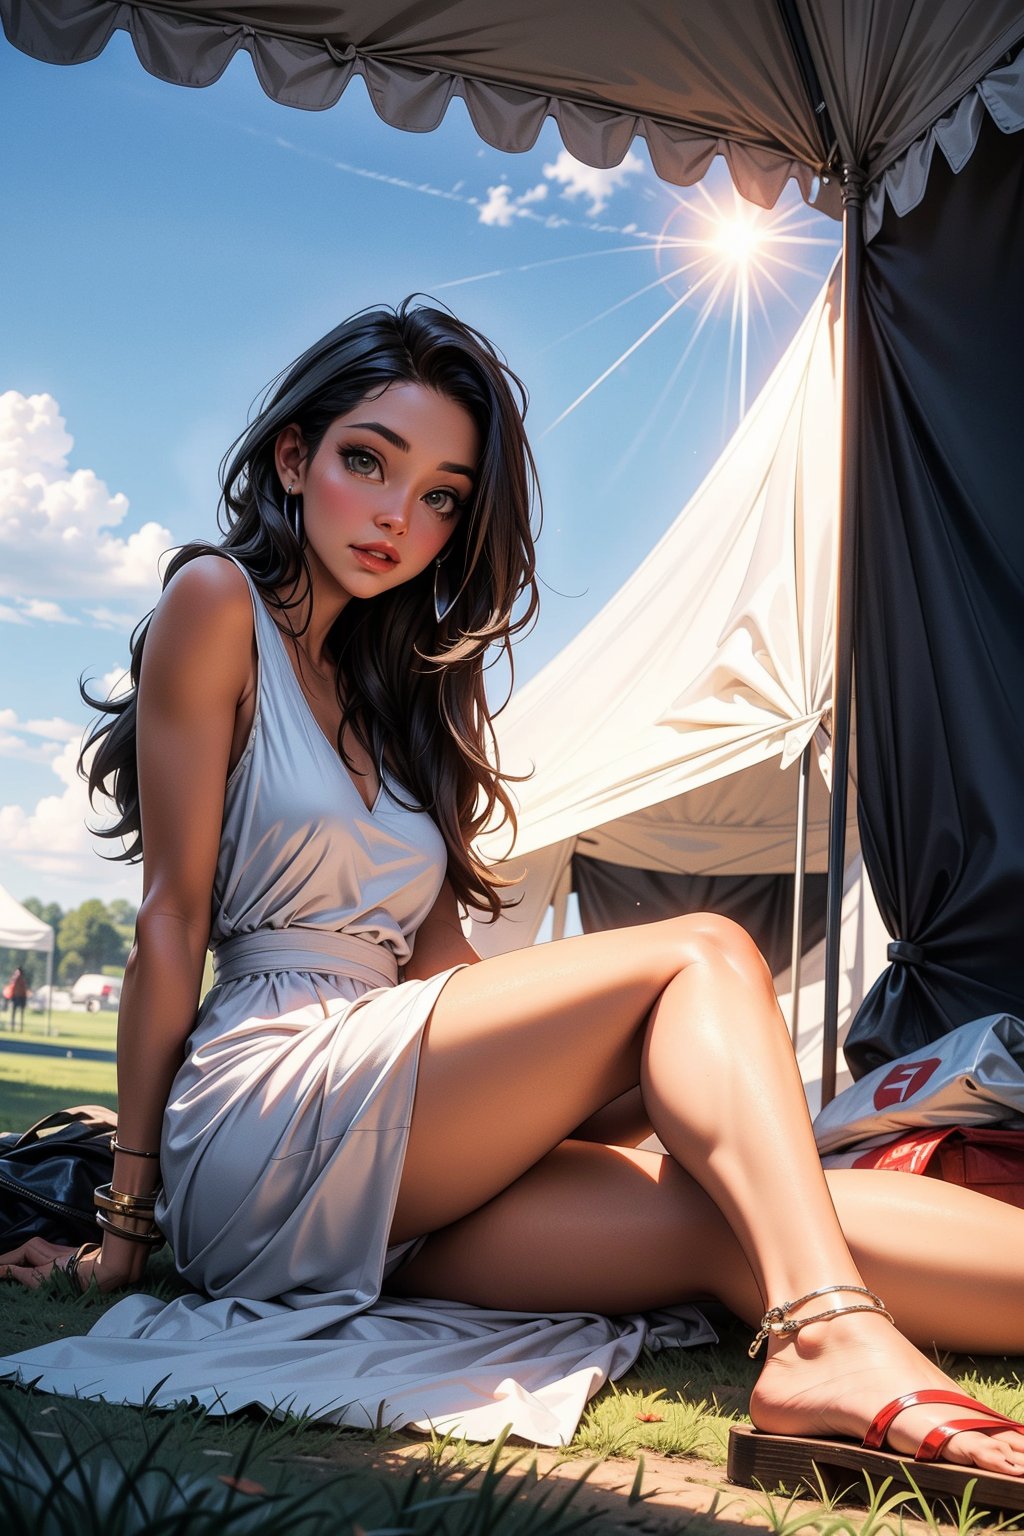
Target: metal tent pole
column 560, row 902
column 799, row 874
column 49, row 990
column 842, row 690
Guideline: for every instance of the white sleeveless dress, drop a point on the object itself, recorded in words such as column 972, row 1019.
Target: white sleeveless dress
column 285, row 1133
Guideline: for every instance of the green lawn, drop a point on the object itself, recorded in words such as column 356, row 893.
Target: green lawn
column 677, row 1404
column 72, row 1027
column 31, row 1086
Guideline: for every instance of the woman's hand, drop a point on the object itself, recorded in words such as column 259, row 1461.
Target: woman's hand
column 37, row 1259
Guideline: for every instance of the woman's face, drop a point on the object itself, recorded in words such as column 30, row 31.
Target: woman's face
column 385, row 489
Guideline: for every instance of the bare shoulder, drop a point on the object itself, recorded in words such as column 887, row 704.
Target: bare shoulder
column 209, row 588
column 204, row 618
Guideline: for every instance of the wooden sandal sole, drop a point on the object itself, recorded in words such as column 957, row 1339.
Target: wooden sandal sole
column 839, row 1468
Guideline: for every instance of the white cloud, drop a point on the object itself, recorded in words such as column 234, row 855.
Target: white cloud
column 115, row 682
column 58, row 547
column 52, row 839
column 111, row 618
column 46, row 612
column 54, row 729
column 36, row 741
column 579, row 180
column 502, row 208
column 498, row 208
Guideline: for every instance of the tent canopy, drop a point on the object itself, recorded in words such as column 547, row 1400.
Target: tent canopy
column 714, row 656
column 20, row 928
column 657, row 739
column 786, row 90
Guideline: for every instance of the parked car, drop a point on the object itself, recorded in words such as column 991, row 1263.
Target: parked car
column 95, row 992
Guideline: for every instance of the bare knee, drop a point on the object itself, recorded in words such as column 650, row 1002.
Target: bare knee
column 707, row 938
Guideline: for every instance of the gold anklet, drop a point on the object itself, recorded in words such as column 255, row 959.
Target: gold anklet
column 777, row 1321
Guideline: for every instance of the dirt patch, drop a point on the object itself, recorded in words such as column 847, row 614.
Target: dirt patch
column 651, row 1496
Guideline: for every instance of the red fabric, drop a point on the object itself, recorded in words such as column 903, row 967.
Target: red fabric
column 986, row 1158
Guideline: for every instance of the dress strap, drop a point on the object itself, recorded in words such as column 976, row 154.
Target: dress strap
column 304, row 949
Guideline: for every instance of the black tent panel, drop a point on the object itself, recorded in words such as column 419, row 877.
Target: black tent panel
column 940, row 608
column 612, row 896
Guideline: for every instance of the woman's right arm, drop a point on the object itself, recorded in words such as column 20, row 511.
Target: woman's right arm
column 197, row 674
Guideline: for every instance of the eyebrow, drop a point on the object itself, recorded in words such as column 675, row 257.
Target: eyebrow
column 403, row 447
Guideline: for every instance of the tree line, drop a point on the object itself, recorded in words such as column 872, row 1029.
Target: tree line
column 93, row 937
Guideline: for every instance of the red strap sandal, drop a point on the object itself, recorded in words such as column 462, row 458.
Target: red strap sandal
column 839, row 1468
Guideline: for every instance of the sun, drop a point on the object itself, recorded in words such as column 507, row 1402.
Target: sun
column 718, row 256
column 737, row 237
column 714, row 254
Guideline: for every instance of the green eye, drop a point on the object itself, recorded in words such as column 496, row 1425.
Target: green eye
column 360, row 462
column 444, row 502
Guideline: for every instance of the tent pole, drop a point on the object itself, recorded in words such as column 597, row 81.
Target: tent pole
column 799, row 876
column 49, row 990
column 560, row 902
column 842, row 689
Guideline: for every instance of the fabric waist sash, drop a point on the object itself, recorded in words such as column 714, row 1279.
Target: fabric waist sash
column 304, row 949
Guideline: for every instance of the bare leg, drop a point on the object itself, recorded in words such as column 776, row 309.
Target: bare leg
column 523, row 1048
column 615, row 1229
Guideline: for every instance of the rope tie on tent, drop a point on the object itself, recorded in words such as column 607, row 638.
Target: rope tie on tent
column 852, row 185
column 902, row 952
column 342, row 55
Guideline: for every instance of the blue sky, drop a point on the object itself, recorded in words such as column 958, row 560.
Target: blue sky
column 167, row 251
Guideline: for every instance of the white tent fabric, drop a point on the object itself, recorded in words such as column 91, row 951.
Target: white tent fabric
column 20, row 928
column 656, row 736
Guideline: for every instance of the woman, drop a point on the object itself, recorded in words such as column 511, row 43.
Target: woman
column 16, row 992
column 358, row 1098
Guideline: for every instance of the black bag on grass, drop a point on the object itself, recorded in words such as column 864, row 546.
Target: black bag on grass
column 48, row 1174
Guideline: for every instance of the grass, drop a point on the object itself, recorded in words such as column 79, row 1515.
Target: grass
column 72, row 1027
column 304, row 1476
column 113, row 1475
column 315, row 1478
column 31, row 1086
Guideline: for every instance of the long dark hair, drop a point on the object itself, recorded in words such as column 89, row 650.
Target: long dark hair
column 412, row 687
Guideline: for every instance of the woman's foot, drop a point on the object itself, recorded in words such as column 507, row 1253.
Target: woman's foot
column 833, row 1378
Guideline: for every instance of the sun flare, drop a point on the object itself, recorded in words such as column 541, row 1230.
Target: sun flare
column 718, row 255
column 737, row 237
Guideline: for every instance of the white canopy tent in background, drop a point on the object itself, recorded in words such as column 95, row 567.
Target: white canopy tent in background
column 21, row 929
column 670, row 735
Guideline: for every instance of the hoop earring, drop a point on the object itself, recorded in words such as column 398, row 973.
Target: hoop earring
column 292, row 511
column 443, row 599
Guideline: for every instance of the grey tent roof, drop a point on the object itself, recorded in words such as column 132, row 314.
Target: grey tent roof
column 696, row 80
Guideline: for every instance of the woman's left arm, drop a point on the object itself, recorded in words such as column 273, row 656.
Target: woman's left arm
column 440, row 941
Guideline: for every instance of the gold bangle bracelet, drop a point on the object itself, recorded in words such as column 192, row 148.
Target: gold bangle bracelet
column 123, row 1198
column 151, row 1239
column 125, row 1223
column 106, row 1198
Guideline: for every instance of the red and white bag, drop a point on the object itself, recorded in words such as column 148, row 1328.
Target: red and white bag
column 972, row 1076
column 989, row 1159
